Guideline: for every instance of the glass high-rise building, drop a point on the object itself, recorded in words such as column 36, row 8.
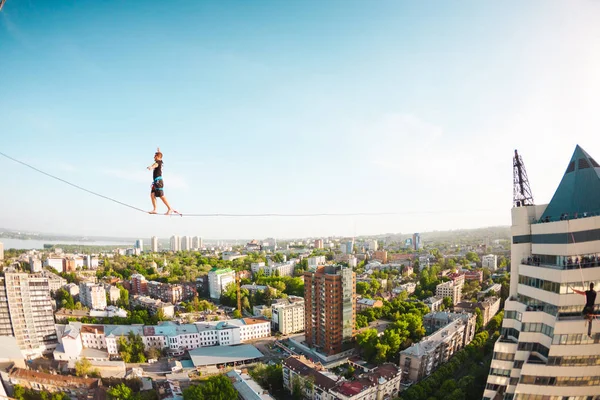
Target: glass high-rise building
column 545, row 351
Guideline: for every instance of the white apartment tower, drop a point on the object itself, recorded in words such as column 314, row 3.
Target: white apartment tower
column 186, row 243
column 92, row 295
column 175, row 244
column 1, row 251
column 26, row 313
column 197, row 242
column 218, row 279
column 154, row 244
column 544, row 351
column 288, row 315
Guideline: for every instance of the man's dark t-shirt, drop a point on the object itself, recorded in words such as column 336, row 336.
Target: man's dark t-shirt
column 590, row 296
column 158, row 169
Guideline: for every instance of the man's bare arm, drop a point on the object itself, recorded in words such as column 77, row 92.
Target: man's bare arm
column 153, row 166
column 578, row 291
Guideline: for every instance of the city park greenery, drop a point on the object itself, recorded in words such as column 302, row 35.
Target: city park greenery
column 217, row 387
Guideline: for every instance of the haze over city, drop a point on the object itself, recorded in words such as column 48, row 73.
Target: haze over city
column 282, row 107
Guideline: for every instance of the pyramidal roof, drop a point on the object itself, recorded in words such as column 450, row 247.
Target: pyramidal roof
column 579, row 189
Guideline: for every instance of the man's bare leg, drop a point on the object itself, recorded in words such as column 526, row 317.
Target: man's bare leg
column 169, row 209
column 153, row 198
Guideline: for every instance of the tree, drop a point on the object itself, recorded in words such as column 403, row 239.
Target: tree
column 361, row 321
column 237, row 314
column 478, row 320
column 160, row 315
column 362, row 288
column 19, row 392
column 153, row 353
column 448, row 302
column 120, row 392
column 217, row 387
column 83, row 367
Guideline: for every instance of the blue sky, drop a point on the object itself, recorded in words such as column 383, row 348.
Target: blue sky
column 291, row 107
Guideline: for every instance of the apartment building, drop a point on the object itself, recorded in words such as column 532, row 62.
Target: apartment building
column 488, row 307
column 316, row 383
column 167, row 292
column 75, row 337
column 154, row 244
column 449, row 289
column 545, row 350
column 421, row 359
column 26, row 312
column 363, row 304
column 330, row 308
column 490, row 262
column 175, row 243
column 218, row 279
column 287, row 315
column 314, row 262
column 92, row 295
column 434, row 303
column 154, row 305
column 139, row 284
column 381, row 256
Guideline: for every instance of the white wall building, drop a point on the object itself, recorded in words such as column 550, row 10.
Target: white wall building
column 490, row 262
column 26, row 312
column 54, row 262
column 1, row 251
column 287, row 315
column 35, row 264
column 154, row 244
column 92, row 295
column 186, row 243
column 218, row 279
column 175, row 243
column 449, row 289
column 545, row 350
column 197, row 242
column 316, row 261
column 169, row 335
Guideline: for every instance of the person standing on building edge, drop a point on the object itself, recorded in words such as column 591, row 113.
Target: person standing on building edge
column 590, row 300
column 157, row 189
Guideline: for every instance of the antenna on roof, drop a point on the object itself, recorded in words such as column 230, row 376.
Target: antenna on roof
column 521, row 191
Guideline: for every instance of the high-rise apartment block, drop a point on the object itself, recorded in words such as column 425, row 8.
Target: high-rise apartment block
column 197, row 242
column 186, row 243
column 139, row 244
column 417, row 241
column 318, row 243
column 92, row 295
column 330, row 308
column 1, row 251
column 26, row 312
column 545, row 350
column 218, row 279
column 139, row 284
column 175, row 243
column 154, row 244
column 490, row 262
column 287, row 315
column 449, row 289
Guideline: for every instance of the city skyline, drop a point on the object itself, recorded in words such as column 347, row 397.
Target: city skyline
column 280, row 107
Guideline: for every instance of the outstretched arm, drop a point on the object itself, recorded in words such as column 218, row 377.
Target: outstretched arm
column 578, row 291
column 153, row 166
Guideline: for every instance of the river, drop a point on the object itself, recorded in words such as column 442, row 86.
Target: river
column 39, row 244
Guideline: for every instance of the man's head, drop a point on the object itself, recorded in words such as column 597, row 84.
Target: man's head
column 157, row 156
column 591, row 285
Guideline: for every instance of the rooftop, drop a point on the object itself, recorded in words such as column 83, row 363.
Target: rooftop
column 223, row 354
column 579, row 189
column 305, row 367
column 50, row 379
